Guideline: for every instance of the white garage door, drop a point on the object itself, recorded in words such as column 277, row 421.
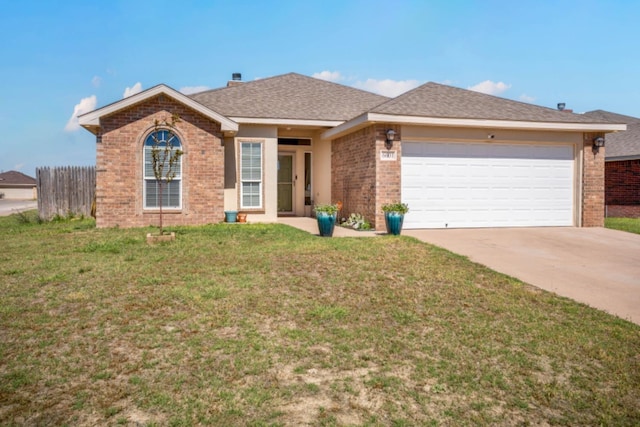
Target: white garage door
column 458, row 185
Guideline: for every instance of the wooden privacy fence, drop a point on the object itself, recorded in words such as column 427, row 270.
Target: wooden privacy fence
column 63, row 191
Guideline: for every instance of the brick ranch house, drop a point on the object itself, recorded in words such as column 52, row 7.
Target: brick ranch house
column 277, row 146
column 622, row 166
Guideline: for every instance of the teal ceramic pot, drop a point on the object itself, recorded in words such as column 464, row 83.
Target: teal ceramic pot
column 393, row 221
column 230, row 216
column 326, row 223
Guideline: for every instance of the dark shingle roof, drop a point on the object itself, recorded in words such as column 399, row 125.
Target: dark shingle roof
column 437, row 100
column 290, row 96
column 16, row 178
column 620, row 144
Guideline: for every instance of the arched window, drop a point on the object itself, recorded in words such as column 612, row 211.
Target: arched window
column 171, row 191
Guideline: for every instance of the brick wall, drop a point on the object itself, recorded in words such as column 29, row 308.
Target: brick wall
column 388, row 177
column 360, row 180
column 119, row 160
column 622, row 188
column 353, row 173
column 592, row 183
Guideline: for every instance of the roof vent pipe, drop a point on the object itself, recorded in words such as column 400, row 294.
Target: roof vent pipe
column 561, row 106
column 236, row 77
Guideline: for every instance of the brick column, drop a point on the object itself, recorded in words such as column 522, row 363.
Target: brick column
column 592, row 183
column 388, row 172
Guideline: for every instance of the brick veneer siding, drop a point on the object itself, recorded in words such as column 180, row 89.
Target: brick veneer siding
column 359, row 179
column 353, row 173
column 119, row 161
column 592, row 183
column 622, row 188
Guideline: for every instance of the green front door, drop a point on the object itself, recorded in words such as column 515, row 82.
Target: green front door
column 285, row 183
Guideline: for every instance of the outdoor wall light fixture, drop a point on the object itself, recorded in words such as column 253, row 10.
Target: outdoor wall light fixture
column 391, row 135
column 597, row 143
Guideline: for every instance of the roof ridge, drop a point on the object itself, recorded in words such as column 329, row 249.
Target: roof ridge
column 433, row 99
column 292, row 73
column 528, row 104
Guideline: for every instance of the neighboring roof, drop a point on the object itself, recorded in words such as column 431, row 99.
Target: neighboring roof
column 91, row 120
column 15, row 178
column 290, row 96
column 621, row 145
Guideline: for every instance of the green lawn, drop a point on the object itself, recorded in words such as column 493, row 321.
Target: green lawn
column 267, row 325
column 632, row 225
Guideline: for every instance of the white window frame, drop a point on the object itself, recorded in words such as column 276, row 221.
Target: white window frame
column 149, row 178
column 256, row 173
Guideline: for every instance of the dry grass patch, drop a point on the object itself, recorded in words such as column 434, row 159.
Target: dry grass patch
column 267, row 325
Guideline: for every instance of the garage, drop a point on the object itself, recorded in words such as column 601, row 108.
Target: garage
column 465, row 184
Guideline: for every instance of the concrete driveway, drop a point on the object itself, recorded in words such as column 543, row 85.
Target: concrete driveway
column 8, row 207
column 595, row 266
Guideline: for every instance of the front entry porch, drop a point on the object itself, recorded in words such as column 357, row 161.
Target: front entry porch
column 294, row 175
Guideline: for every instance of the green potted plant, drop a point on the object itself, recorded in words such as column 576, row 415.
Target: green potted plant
column 394, row 216
column 326, row 217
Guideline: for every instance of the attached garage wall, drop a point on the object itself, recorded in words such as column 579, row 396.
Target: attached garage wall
column 19, row 193
column 465, row 184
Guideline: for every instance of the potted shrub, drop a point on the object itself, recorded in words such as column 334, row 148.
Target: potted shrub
column 326, row 217
column 394, row 216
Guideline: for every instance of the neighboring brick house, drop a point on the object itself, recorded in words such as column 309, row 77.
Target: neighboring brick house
column 276, row 146
column 16, row 185
column 622, row 166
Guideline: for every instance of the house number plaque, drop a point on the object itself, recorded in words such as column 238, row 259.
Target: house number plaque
column 388, row 155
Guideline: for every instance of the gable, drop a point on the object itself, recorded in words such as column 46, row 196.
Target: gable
column 92, row 120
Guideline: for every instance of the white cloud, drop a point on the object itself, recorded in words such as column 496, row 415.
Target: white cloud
column 136, row 88
column 18, row 167
column 188, row 90
column 391, row 88
column 96, row 81
column 84, row 106
column 330, row 76
column 490, row 88
column 526, row 98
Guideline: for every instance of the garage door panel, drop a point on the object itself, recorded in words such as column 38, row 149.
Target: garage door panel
column 487, row 185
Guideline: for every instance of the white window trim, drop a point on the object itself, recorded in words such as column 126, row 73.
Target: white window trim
column 145, row 178
column 242, row 181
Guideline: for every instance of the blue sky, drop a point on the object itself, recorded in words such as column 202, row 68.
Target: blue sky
column 64, row 56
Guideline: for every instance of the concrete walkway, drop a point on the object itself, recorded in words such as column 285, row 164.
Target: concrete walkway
column 595, row 266
column 310, row 225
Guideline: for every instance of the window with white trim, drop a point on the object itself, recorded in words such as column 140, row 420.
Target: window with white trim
column 251, row 175
column 171, row 191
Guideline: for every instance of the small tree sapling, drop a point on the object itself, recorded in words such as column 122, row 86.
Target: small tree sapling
column 164, row 156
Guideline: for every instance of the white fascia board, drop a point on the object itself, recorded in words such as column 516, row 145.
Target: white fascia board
column 498, row 124
column 287, row 122
column 93, row 118
column 367, row 118
column 345, row 127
